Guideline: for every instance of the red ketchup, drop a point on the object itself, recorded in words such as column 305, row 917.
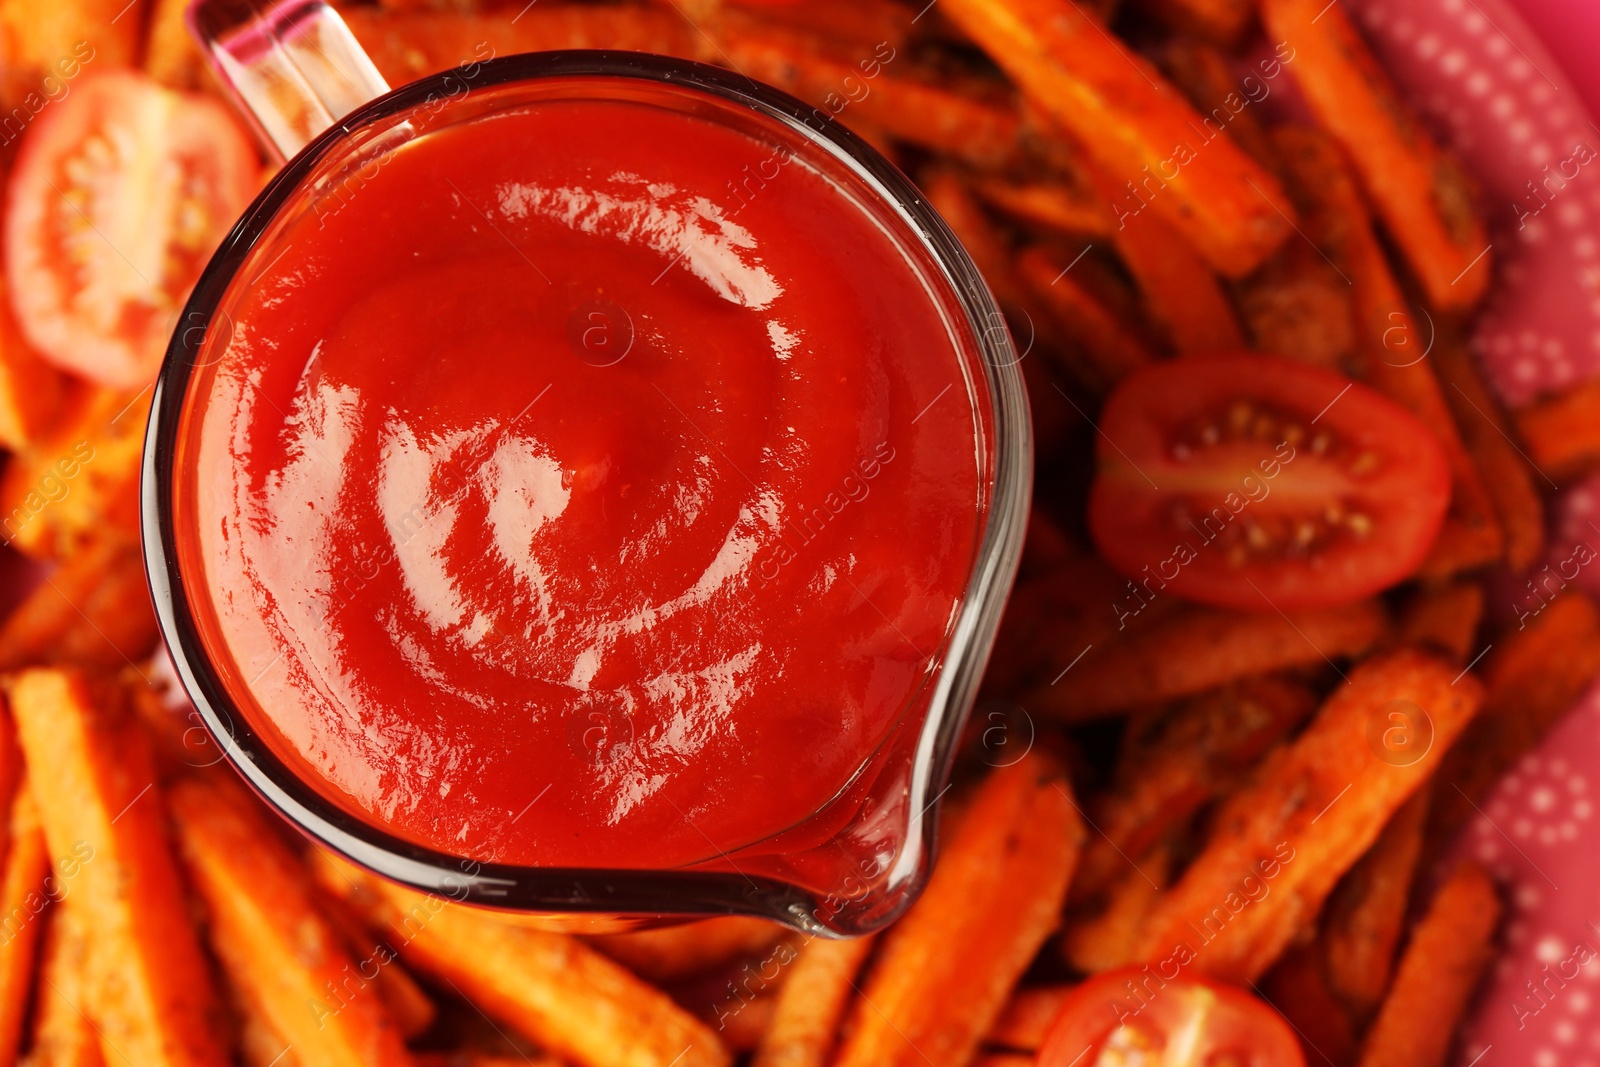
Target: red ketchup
column 589, row 485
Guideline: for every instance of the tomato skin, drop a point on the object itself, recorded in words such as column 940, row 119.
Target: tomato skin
column 121, row 191
column 1324, row 493
column 1135, row 1007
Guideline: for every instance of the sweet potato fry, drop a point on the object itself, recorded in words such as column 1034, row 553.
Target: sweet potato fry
column 1562, row 432
column 1445, row 619
column 80, row 482
column 1364, row 917
column 59, row 41
column 1137, row 129
column 1279, row 844
column 93, row 610
column 1297, row 306
column 31, row 391
column 1298, row 988
column 946, row 969
column 172, row 56
column 411, row 1008
column 1193, row 649
column 1449, row 950
column 1110, row 345
column 275, row 945
column 1105, row 934
column 672, row 952
column 405, row 46
column 1211, row 81
column 1221, row 22
column 150, row 992
column 63, row 1036
column 23, row 898
column 812, row 1003
column 551, row 987
column 1391, row 344
column 1027, row 1017
column 483, row 1059
column 1180, row 760
column 1057, row 206
column 857, row 26
column 1418, row 191
column 1486, row 430
column 1534, row 676
column 871, row 88
column 1185, row 299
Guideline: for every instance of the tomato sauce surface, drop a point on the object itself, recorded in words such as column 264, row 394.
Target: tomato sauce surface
column 589, row 484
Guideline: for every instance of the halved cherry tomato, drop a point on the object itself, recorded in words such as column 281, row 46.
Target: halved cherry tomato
column 1260, row 483
column 120, row 193
column 1135, row 1016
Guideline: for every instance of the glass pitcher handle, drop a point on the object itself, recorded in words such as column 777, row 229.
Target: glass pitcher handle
column 292, row 66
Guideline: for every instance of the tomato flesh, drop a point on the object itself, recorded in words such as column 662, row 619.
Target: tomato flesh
column 1259, row 483
column 121, row 192
column 1134, row 1016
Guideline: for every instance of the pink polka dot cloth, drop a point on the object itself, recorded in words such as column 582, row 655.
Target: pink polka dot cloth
column 1490, row 88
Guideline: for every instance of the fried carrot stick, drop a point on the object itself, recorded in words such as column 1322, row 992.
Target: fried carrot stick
column 552, row 987
column 1365, row 915
column 1449, row 950
column 812, row 1003
column 1534, row 675
column 1418, row 191
column 150, row 990
column 1027, row 1017
column 1445, row 619
column 1279, row 845
column 62, row 1033
column 677, row 951
column 1171, row 766
column 1391, row 339
column 406, row 46
column 1193, row 649
column 1562, row 432
column 1486, row 429
column 945, row 971
column 1111, row 347
column 275, row 945
column 23, row 898
column 93, row 610
column 79, row 482
column 1136, row 129
column 871, row 89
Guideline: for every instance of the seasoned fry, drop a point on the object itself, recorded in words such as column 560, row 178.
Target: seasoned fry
column 1366, row 913
column 150, row 992
column 483, row 1059
column 172, row 56
column 31, row 390
column 1298, row 987
column 1534, row 675
column 1444, row 619
column 1174, row 764
column 265, row 928
column 1487, row 433
column 856, row 26
column 1298, row 307
column 1027, row 1017
column 93, row 610
column 50, row 45
column 1219, row 21
column 1419, row 192
column 62, row 1033
column 676, row 951
column 812, row 1003
column 552, row 987
column 1111, row 347
column 23, row 897
column 409, row 1005
column 1280, row 844
column 1211, row 81
column 946, row 969
column 1193, row 649
column 1106, row 935
column 1390, row 340
column 1057, row 206
column 1449, row 950
column 1137, row 129
column 79, row 482
column 1562, row 432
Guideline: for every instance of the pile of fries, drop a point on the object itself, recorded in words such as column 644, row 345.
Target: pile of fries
column 1194, row 789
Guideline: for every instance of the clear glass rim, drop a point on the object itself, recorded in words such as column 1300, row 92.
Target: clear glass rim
column 607, row 891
